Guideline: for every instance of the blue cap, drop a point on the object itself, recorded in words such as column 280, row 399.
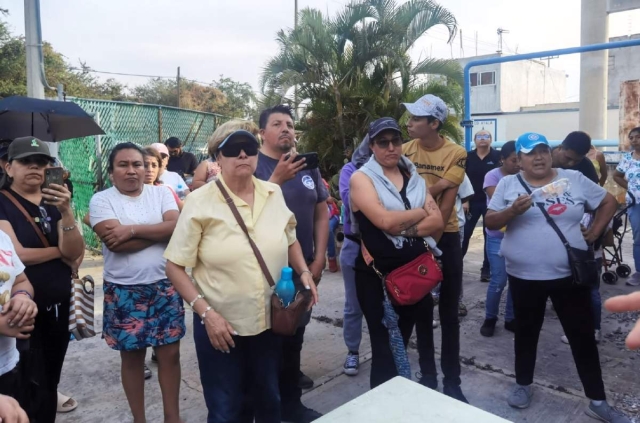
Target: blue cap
column 528, row 141
column 287, row 273
column 236, row 134
column 382, row 124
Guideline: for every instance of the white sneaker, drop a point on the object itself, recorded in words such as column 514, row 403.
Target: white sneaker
column 597, row 335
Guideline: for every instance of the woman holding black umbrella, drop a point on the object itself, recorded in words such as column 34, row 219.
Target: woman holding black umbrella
column 42, row 227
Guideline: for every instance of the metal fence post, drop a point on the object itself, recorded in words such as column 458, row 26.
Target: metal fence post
column 98, row 147
column 160, row 125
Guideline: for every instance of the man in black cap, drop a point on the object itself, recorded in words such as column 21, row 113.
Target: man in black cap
column 181, row 162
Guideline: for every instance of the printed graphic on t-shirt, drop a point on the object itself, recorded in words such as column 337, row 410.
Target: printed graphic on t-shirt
column 6, row 261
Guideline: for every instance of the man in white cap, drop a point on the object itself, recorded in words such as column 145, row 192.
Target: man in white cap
column 441, row 163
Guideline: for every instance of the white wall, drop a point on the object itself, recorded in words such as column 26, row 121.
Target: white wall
column 528, row 82
column 623, row 66
column 555, row 125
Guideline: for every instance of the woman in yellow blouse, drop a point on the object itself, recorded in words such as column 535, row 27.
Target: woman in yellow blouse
column 237, row 352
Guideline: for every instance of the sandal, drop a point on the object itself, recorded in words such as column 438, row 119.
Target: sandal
column 66, row 404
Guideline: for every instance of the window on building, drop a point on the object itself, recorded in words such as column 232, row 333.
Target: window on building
column 488, row 78
column 483, row 78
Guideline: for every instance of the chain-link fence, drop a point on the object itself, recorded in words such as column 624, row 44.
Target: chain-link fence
column 142, row 124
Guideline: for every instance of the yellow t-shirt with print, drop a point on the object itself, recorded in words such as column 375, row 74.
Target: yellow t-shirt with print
column 447, row 162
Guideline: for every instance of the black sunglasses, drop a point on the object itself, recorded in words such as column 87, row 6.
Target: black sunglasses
column 45, row 225
column 234, row 149
column 384, row 142
column 37, row 160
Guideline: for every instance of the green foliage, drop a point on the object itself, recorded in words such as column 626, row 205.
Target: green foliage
column 354, row 68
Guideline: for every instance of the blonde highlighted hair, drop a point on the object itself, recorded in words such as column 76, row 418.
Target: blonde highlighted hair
column 226, row 129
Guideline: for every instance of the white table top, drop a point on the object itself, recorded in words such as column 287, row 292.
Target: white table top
column 401, row 400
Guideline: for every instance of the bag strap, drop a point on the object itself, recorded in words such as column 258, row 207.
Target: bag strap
column 550, row 221
column 254, row 247
column 29, row 218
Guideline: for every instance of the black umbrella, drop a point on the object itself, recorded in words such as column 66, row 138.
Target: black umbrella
column 46, row 120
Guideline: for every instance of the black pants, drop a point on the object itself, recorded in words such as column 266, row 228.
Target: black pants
column 573, row 306
column 370, row 296
column 43, row 362
column 476, row 210
column 9, row 383
column 290, row 392
column 450, row 289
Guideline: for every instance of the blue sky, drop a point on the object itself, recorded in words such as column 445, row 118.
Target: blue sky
column 207, row 38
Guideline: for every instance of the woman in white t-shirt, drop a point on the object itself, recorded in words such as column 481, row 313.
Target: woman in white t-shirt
column 17, row 313
column 141, row 308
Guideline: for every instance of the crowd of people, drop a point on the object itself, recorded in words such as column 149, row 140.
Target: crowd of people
column 402, row 203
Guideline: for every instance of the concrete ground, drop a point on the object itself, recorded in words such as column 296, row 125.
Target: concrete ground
column 92, row 370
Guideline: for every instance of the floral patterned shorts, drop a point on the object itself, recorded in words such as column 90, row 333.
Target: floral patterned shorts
column 141, row 316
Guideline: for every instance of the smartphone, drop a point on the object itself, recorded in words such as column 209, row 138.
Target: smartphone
column 311, row 160
column 53, row 175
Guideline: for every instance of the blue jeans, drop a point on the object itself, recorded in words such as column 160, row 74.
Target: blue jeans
column 249, row 373
column 497, row 282
column 352, row 326
column 334, row 221
column 634, row 217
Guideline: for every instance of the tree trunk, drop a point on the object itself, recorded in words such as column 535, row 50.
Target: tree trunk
column 336, row 93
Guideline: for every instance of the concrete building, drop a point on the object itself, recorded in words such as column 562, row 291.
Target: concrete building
column 507, row 87
column 624, row 65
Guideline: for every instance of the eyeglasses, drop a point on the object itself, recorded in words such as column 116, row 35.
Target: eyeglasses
column 233, row 150
column 44, row 219
column 384, row 142
column 483, row 137
column 40, row 161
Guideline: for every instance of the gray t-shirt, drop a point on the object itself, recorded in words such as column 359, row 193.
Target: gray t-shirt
column 531, row 248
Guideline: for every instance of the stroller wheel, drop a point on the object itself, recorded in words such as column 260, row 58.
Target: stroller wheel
column 609, row 277
column 623, row 270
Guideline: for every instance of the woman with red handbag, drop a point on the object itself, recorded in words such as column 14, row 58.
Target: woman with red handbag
column 395, row 216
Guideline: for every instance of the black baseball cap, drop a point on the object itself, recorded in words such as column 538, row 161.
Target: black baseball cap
column 383, row 124
column 27, row 146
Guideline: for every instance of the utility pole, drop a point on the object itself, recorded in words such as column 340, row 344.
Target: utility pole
column 295, row 87
column 476, row 43
column 35, row 88
column 178, row 85
column 500, row 32
column 594, row 28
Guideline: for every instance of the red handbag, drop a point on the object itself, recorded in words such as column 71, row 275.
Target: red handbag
column 411, row 282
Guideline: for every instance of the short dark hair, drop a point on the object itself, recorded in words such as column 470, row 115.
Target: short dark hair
column 120, row 147
column 577, row 141
column 280, row 108
column 173, row 142
column 636, row 129
column 430, row 119
column 507, row 149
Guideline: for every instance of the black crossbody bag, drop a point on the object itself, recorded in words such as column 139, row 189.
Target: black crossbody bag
column 582, row 262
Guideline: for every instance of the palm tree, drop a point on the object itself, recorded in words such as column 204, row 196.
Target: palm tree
column 355, row 67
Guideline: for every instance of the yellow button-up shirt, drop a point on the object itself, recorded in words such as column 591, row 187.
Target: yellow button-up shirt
column 226, row 272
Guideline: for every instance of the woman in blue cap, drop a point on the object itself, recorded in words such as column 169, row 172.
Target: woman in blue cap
column 538, row 265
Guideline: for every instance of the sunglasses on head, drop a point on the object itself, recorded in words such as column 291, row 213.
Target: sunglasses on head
column 384, row 142
column 234, row 149
column 37, row 160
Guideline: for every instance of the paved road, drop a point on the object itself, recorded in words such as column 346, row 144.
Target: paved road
column 91, row 372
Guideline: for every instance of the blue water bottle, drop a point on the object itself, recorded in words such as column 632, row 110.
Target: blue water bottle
column 285, row 288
